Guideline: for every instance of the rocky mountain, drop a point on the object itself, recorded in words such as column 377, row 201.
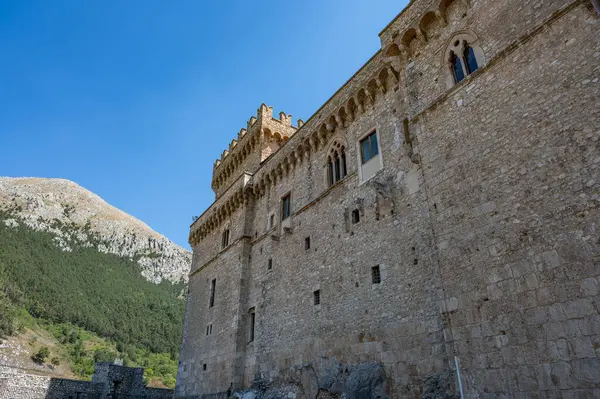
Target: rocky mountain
column 76, row 216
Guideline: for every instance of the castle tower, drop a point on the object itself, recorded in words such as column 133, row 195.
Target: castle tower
column 261, row 138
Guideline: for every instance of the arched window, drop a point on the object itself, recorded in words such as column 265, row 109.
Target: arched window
column 336, row 163
column 462, row 57
column 469, row 58
column 457, row 68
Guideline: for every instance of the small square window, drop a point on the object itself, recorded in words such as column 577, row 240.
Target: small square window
column 285, row 207
column 376, row 274
column 307, row 243
column 355, row 216
column 317, row 297
column 269, row 264
column 368, row 147
column 204, row 367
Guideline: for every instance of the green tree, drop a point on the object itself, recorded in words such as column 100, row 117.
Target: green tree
column 41, row 355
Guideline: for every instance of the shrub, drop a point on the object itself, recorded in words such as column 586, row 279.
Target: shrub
column 41, row 355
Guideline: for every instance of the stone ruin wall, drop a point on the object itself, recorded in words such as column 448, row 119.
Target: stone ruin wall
column 16, row 383
column 485, row 225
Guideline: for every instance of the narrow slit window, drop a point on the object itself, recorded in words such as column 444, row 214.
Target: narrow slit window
column 355, row 216
column 343, row 159
column 285, row 207
column 376, row 275
column 269, row 264
column 271, row 221
column 213, row 286
column 252, row 313
column 307, row 243
column 317, row 297
column 225, row 239
column 204, row 367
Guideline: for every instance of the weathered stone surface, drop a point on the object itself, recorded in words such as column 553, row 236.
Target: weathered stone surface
column 480, row 225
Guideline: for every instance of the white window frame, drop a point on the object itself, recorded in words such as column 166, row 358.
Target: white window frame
column 359, row 154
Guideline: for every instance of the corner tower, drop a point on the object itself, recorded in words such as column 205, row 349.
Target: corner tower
column 263, row 136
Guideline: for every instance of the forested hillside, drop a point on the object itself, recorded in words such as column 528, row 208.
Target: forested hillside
column 83, row 290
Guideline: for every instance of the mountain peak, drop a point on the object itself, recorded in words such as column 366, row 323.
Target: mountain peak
column 77, row 216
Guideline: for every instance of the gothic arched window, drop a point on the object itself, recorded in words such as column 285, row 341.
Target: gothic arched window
column 463, row 56
column 336, row 163
column 469, row 58
column 457, row 69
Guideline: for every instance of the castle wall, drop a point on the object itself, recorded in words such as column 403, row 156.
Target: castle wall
column 511, row 163
column 482, row 222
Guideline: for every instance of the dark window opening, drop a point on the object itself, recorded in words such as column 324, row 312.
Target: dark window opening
column 307, row 243
column 272, row 221
column 376, row 275
column 469, row 59
column 317, row 297
column 204, row 367
column 285, row 207
column 225, row 239
column 355, row 216
column 270, row 264
column 213, row 286
column 368, row 147
column 457, row 69
column 252, row 323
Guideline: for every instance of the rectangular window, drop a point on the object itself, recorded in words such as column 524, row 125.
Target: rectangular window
column 213, row 286
column 285, row 207
column 270, row 264
column 225, row 239
column 209, row 329
column 376, row 275
column 204, row 367
column 317, row 297
column 252, row 313
column 355, row 216
column 307, row 243
column 271, row 221
column 368, row 147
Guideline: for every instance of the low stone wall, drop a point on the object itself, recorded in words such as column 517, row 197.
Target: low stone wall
column 23, row 384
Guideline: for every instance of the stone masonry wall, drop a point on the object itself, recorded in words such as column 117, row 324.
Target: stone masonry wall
column 22, row 384
column 483, row 221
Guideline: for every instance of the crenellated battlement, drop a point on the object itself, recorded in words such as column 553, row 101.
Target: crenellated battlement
column 262, row 136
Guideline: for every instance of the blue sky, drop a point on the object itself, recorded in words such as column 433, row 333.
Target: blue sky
column 134, row 100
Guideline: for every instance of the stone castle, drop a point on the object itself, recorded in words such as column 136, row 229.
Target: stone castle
column 439, row 213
